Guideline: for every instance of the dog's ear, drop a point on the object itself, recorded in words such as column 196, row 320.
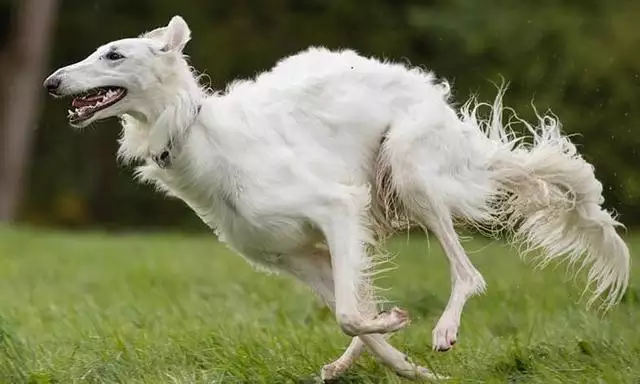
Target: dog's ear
column 156, row 34
column 176, row 34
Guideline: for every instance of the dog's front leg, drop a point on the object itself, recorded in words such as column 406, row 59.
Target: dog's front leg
column 314, row 268
column 347, row 237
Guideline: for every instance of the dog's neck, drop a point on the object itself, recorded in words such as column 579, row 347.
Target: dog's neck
column 162, row 119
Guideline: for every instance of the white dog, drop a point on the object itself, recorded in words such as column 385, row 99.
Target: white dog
column 305, row 168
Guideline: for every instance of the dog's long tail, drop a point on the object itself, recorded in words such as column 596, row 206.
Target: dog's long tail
column 548, row 198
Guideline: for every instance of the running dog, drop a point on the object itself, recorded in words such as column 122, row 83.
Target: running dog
column 307, row 167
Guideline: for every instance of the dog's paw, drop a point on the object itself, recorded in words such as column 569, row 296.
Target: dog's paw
column 331, row 371
column 445, row 335
column 394, row 319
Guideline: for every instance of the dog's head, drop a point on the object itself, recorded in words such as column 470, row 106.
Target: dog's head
column 122, row 77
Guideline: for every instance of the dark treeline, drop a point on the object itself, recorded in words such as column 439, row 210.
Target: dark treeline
column 579, row 58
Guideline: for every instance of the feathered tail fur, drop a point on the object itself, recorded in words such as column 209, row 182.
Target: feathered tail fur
column 548, row 199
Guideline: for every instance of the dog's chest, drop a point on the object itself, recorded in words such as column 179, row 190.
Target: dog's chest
column 239, row 212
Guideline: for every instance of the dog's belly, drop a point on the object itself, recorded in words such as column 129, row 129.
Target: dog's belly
column 269, row 241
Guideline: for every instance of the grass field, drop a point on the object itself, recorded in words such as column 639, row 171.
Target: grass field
column 102, row 308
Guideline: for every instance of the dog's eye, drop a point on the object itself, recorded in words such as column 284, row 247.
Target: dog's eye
column 113, row 56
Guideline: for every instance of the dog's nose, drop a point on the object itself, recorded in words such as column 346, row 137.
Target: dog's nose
column 52, row 84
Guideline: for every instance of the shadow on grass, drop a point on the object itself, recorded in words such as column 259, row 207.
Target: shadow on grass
column 346, row 379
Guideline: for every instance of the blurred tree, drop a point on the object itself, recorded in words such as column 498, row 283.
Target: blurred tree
column 23, row 65
column 578, row 57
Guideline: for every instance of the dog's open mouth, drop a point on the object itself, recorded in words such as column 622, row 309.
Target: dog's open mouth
column 94, row 100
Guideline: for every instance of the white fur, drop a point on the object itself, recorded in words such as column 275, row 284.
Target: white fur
column 332, row 149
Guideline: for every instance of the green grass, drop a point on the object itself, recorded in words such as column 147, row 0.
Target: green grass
column 100, row 308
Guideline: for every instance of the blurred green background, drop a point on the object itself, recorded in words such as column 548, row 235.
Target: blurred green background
column 580, row 58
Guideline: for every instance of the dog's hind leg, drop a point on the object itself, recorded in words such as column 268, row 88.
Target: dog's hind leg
column 426, row 156
column 465, row 278
column 314, row 268
column 465, row 281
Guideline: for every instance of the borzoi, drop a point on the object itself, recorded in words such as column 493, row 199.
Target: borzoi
column 305, row 168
